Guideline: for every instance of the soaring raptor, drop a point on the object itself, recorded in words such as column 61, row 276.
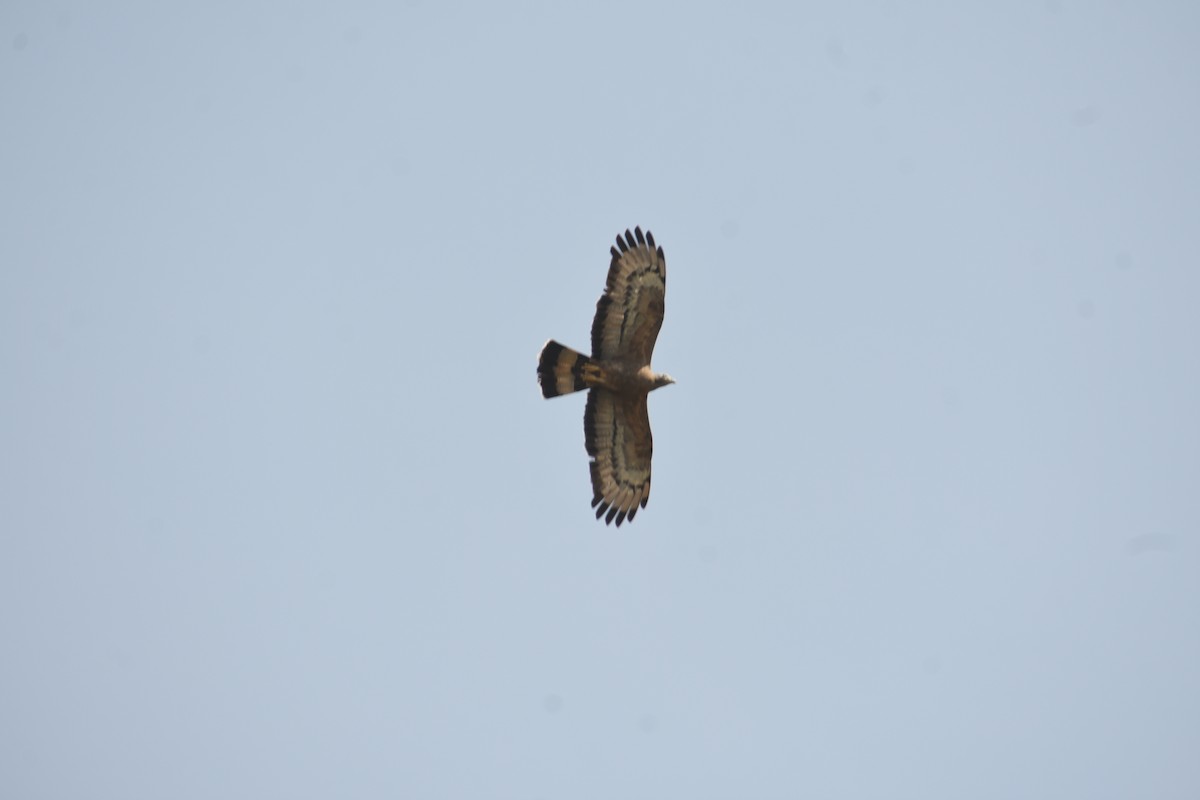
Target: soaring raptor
column 616, row 426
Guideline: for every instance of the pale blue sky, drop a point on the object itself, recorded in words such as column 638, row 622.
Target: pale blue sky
column 284, row 514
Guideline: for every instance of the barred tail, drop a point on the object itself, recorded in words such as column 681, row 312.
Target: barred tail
column 562, row 370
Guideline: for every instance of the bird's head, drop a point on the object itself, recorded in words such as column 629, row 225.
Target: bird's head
column 662, row 379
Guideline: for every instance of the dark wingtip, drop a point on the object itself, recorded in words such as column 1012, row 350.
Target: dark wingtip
column 600, row 511
column 620, row 518
column 621, row 244
column 612, row 512
column 650, row 240
column 629, row 238
column 637, row 232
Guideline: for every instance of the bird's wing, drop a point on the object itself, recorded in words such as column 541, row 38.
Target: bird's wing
column 630, row 312
column 616, row 430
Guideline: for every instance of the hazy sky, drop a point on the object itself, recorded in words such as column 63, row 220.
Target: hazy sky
column 283, row 513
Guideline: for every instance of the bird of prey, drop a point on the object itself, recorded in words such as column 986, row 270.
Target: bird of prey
column 616, row 426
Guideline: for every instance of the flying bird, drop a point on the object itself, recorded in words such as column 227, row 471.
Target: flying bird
column 617, row 375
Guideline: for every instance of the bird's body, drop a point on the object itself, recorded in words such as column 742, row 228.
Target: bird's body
column 618, row 376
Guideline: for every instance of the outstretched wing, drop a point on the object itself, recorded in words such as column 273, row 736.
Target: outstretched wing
column 630, row 312
column 616, row 431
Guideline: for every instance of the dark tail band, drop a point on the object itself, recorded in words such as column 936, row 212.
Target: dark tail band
column 560, row 370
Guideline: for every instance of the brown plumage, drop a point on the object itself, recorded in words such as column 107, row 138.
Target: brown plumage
column 616, row 425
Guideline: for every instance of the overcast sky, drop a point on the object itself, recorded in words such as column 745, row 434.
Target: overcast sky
column 283, row 513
